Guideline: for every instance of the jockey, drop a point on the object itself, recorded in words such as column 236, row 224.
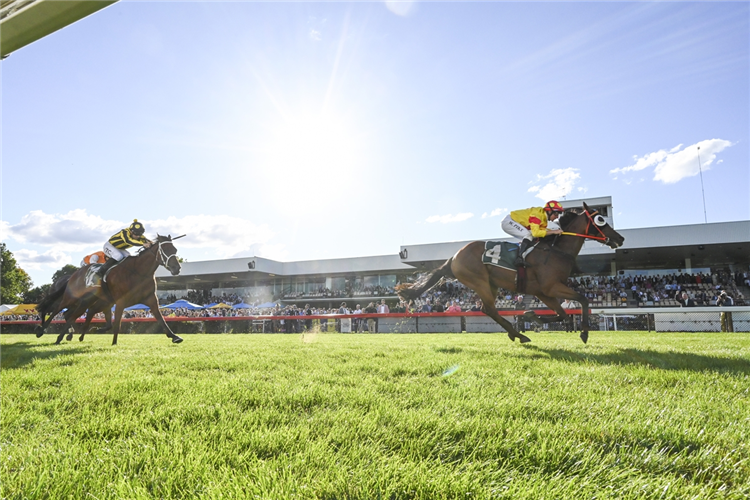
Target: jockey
column 116, row 247
column 531, row 223
column 95, row 258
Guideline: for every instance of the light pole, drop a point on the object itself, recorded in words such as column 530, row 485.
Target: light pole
column 700, row 169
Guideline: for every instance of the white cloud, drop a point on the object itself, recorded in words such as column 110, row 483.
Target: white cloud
column 677, row 163
column 225, row 234
column 494, row 213
column 315, row 35
column 33, row 260
column 75, row 230
column 78, row 231
column 557, row 184
column 449, row 218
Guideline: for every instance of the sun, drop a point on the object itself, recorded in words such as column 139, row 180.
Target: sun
column 312, row 153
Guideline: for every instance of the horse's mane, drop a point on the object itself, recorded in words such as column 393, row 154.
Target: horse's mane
column 568, row 217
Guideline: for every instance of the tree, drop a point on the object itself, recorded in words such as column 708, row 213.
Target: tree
column 34, row 296
column 66, row 270
column 14, row 281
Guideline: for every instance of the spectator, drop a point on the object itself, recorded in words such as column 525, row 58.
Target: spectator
column 371, row 309
column 686, row 301
column 454, row 308
column 308, row 322
column 357, row 322
column 477, row 307
column 383, row 307
column 724, row 299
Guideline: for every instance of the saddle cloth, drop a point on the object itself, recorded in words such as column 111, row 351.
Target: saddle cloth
column 500, row 254
column 92, row 279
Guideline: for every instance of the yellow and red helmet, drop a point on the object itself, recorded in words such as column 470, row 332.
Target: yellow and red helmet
column 553, row 206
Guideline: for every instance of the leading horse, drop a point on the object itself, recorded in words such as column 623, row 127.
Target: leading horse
column 549, row 267
column 128, row 283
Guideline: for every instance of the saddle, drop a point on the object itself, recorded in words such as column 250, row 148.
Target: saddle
column 503, row 254
column 92, row 278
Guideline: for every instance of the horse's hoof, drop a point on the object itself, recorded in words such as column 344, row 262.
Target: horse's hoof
column 39, row 334
column 524, row 339
column 69, row 337
column 585, row 337
column 512, row 337
column 176, row 339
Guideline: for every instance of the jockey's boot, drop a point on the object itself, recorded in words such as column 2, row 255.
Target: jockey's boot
column 521, row 250
column 105, row 267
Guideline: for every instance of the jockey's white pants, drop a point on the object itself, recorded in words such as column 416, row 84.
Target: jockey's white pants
column 115, row 253
column 515, row 229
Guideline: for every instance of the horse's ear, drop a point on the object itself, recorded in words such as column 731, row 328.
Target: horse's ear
column 585, row 207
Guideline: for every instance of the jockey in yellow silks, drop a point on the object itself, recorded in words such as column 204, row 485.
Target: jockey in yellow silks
column 116, row 247
column 531, row 223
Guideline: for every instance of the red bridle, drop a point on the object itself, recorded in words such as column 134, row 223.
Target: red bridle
column 590, row 223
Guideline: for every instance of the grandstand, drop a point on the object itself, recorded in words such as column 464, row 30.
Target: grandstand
column 720, row 249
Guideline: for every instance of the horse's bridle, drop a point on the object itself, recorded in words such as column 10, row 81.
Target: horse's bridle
column 163, row 255
column 603, row 238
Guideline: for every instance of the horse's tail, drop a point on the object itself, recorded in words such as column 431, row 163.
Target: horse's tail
column 53, row 296
column 412, row 291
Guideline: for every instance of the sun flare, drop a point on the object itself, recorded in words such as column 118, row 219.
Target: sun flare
column 311, row 153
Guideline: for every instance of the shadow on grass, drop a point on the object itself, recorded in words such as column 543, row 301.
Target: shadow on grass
column 652, row 359
column 20, row 354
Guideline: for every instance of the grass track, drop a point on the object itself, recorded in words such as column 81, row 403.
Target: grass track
column 630, row 415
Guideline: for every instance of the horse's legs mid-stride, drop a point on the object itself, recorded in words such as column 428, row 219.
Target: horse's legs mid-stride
column 478, row 279
column 562, row 291
column 153, row 303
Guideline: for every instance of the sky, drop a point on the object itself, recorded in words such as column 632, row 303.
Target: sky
column 304, row 131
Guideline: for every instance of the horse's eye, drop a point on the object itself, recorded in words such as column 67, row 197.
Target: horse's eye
column 599, row 220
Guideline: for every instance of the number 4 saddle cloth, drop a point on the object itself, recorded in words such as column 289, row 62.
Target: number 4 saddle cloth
column 500, row 254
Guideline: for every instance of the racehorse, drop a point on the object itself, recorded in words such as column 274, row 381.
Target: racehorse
column 51, row 305
column 128, row 283
column 549, row 266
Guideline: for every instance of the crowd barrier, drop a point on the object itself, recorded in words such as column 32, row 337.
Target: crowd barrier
column 667, row 319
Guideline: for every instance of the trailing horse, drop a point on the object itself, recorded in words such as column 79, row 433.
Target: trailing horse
column 549, row 267
column 129, row 282
column 51, row 305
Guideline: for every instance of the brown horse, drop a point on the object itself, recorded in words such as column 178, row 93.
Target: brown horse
column 128, row 283
column 549, row 266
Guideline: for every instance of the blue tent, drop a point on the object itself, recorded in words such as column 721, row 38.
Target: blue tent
column 137, row 306
column 241, row 305
column 266, row 305
column 182, row 304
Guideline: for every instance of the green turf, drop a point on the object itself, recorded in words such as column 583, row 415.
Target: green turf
column 630, row 415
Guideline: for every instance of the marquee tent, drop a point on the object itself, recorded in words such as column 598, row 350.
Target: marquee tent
column 181, row 304
column 21, row 309
column 137, row 306
column 220, row 305
column 242, row 305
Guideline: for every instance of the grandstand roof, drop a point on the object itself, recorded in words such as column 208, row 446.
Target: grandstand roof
column 669, row 247
column 25, row 21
